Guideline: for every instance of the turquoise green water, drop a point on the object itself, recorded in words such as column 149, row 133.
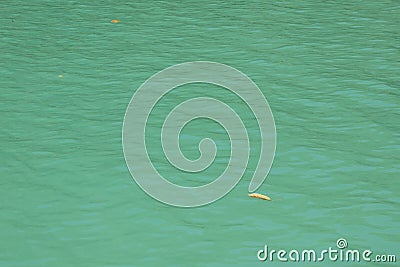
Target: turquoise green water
column 330, row 72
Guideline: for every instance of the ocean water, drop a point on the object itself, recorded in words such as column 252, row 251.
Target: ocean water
column 330, row 72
